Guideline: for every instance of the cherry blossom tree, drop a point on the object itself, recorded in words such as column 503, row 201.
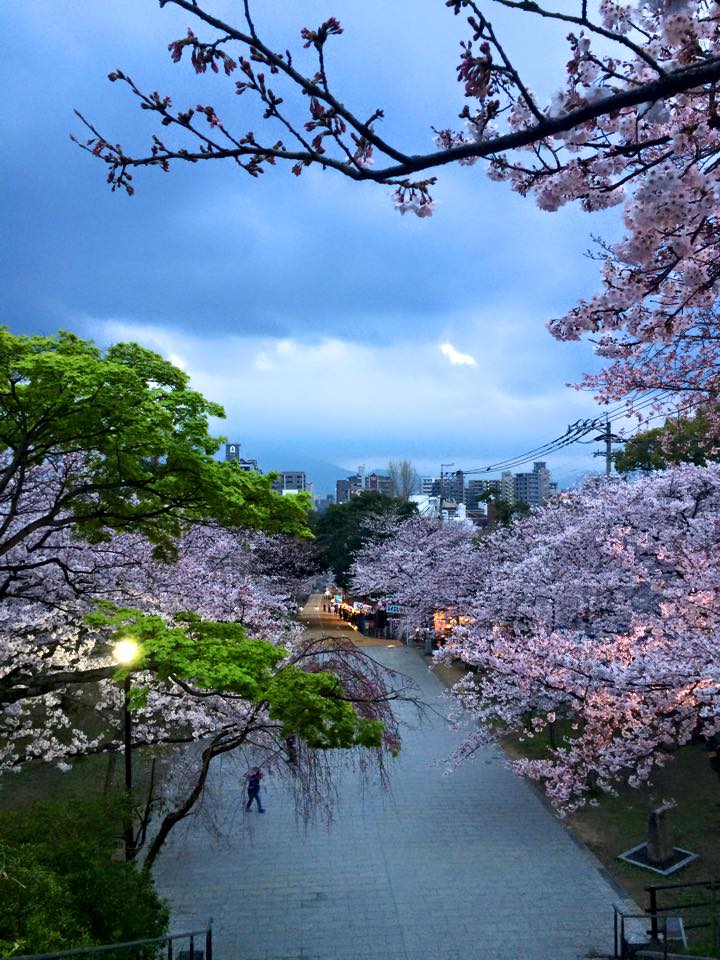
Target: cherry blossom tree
column 633, row 121
column 419, row 563
column 599, row 609
column 224, row 665
column 110, row 494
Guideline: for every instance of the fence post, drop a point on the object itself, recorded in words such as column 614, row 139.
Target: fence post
column 208, row 942
column 615, row 932
column 653, row 913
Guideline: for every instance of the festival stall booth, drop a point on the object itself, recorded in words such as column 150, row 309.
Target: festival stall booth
column 367, row 616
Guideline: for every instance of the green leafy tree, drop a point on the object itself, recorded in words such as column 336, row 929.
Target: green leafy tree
column 502, row 511
column 62, row 884
column 247, row 690
column 679, row 440
column 221, row 657
column 345, row 527
column 115, row 440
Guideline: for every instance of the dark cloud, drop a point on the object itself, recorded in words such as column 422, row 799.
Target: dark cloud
column 207, row 253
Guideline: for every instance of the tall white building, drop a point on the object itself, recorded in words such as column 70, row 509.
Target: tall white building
column 290, row 480
column 532, row 488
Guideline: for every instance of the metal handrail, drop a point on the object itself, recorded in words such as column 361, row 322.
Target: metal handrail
column 712, row 884
column 126, row 945
column 658, row 927
column 655, row 912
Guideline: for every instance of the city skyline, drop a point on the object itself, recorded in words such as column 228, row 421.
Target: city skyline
column 362, row 477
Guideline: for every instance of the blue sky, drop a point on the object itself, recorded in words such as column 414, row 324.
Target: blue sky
column 327, row 324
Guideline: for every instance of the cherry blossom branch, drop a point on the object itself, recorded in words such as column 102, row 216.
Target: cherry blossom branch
column 529, row 6
column 685, row 79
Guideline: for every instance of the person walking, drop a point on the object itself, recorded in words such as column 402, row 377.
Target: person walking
column 253, row 789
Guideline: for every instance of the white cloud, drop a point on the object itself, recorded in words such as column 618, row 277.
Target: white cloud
column 177, row 361
column 263, row 362
column 457, row 358
column 366, row 402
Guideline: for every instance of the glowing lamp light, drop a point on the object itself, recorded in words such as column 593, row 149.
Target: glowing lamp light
column 126, row 651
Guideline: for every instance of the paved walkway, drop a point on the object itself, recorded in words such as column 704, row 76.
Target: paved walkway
column 462, row 867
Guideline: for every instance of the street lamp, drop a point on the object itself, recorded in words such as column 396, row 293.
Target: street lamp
column 126, row 652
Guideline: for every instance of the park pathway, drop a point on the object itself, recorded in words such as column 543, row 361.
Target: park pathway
column 471, row 866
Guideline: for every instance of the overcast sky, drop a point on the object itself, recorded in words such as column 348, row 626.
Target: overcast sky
column 327, row 324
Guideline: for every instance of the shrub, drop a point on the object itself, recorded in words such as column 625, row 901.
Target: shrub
column 63, row 883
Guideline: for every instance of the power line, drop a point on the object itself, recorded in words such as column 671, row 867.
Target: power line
column 573, row 433
column 576, row 432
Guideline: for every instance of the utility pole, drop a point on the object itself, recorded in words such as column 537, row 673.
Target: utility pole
column 608, row 447
column 608, row 438
column 442, row 483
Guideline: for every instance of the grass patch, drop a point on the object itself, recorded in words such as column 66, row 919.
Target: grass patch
column 89, row 777
column 619, row 823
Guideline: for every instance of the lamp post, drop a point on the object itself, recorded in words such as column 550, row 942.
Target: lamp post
column 125, row 654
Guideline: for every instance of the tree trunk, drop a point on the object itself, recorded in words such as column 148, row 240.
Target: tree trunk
column 182, row 811
column 659, row 843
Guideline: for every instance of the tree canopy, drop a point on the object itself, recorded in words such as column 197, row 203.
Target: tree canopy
column 345, row 527
column 598, row 609
column 221, row 657
column 101, row 442
column 680, row 440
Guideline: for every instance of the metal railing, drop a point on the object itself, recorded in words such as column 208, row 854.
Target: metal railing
column 657, row 910
column 198, row 945
column 663, row 924
column 621, row 945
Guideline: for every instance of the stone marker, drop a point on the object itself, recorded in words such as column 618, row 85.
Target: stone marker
column 659, row 844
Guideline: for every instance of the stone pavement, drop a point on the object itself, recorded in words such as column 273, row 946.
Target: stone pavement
column 470, row 866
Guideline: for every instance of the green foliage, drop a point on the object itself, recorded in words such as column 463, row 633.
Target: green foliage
column 142, row 433
column 62, row 883
column 36, row 912
column 343, row 529
column 315, row 706
column 222, row 657
column 679, row 440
